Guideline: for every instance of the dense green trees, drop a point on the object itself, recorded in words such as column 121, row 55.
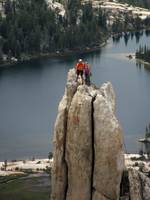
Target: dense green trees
column 73, row 9
column 143, row 53
column 25, row 26
column 129, row 23
column 30, row 27
column 140, row 3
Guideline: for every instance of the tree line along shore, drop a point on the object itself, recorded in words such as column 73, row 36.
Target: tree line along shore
column 32, row 29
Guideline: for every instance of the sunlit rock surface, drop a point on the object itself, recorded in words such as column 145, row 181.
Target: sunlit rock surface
column 88, row 144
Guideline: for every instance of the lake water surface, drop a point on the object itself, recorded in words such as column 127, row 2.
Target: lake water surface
column 30, row 93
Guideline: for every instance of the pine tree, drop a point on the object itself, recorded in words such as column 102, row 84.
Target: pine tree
column 72, row 11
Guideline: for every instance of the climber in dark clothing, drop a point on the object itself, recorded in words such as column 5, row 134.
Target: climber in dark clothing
column 87, row 73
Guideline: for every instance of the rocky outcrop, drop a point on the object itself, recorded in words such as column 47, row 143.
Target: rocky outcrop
column 109, row 162
column 79, row 146
column 88, row 144
column 135, row 186
column 139, row 185
column 59, row 170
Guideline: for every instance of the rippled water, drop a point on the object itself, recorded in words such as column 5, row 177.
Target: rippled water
column 30, row 93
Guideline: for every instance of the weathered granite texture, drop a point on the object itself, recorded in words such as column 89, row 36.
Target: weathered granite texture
column 88, row 144
column 139, row 185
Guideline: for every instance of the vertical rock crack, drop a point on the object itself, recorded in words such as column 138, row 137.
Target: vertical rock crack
column 93, row 148
column 65, row 154
column 65, row 161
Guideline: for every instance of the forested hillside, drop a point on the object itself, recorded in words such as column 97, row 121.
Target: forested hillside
column 140, row 3
column 31, row 27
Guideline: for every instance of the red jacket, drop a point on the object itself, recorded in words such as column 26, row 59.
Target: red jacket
column 80, row 66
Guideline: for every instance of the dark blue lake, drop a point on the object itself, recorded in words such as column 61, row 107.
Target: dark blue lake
column 30, row 93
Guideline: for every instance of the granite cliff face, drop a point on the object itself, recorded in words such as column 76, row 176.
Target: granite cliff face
column 88, row 144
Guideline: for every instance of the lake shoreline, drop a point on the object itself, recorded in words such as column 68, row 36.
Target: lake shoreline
column 143, row 62
column 68, row 52
column 57, row 54
column 18, row 167
column 38, row 166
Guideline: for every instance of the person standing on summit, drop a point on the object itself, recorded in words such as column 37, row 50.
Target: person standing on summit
column 80, row 66
column 87, row 73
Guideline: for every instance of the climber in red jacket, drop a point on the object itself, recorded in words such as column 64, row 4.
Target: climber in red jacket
column 80, row 66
